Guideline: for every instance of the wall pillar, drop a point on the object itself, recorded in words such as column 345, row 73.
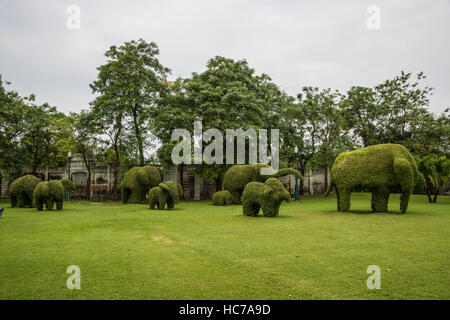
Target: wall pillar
column 198, row 183
column 5, row 186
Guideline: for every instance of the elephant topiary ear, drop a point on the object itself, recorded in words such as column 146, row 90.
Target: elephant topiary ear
column 171, row 188
column 164, row 187
column 267, row 191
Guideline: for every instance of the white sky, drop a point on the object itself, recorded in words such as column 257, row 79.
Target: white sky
column 298, row 43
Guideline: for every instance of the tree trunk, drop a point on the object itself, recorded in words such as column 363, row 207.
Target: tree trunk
column 180, row 168
column 116, row 183
column 326, row 178
column 218, row 184
column 88, row 181
column 302, row 170
column 138, row 138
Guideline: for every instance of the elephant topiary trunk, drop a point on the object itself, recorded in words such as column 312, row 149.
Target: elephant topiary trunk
column 379, row 169
column 238, row 176
column 266, row 196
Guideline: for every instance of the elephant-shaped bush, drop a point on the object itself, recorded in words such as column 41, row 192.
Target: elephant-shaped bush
column 238, row 176
column 137, row 181
column 379, row 169
column 222, row 198
column 266, row 196
column 21, row 191
column 165, row 193
column 50, row 192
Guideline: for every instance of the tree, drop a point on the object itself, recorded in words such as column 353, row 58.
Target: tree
column 38, row 136
column 436, row 172
column 12, row 116
column 108, row 118
column 229, row 95
column 406, row 101
column 315, row 125
column 133, row 81
column 77, row 133
column 363, row 116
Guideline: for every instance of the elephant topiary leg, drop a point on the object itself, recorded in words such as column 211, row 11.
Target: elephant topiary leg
column 13, row 201
column 50, row 205
column 404, row 199
column 21, row 201
column 235, row 197
column 250, row 209
column 162, row 204
column 59, row 205
column 344, row 200
column 338, row 200
column 39, row 204
column 125, row 194
column 271, row 210
column 405, row 177
column 380, row 200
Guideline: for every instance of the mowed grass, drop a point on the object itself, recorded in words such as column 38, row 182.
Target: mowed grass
column 199, row 251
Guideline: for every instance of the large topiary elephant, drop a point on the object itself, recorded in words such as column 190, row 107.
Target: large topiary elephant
column 50, row 192
column 379, row 169
column 138, row 181
column 165, row 193
column 266, row 196
column 21, row 191
column 238, row 176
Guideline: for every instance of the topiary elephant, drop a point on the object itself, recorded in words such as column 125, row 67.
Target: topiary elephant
column 379, row 169
column 21, row 191
column 166, row 193
column 238, row 176
column 138, row 181
column 221, row 198
column 50, row 192
column 266, row 196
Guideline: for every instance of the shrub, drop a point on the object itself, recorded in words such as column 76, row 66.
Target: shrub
column 238, row 176
column 222, row 198
column 165, row 193
column 21, row 191
column 379, row 169
column 266, row 196
column 137, row 182
column 49, row 193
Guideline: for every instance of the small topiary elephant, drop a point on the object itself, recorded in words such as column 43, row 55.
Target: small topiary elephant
column 166, row 193
column 221, row 198
column 51, row 192
column 21, row 191
column 266, row 196
column 379, row 169
column 137, row 181
column 238, row 176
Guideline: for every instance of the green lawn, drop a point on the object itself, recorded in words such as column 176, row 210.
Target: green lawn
column 199, row 251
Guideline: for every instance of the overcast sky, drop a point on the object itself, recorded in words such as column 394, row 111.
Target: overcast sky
column 298, row 43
